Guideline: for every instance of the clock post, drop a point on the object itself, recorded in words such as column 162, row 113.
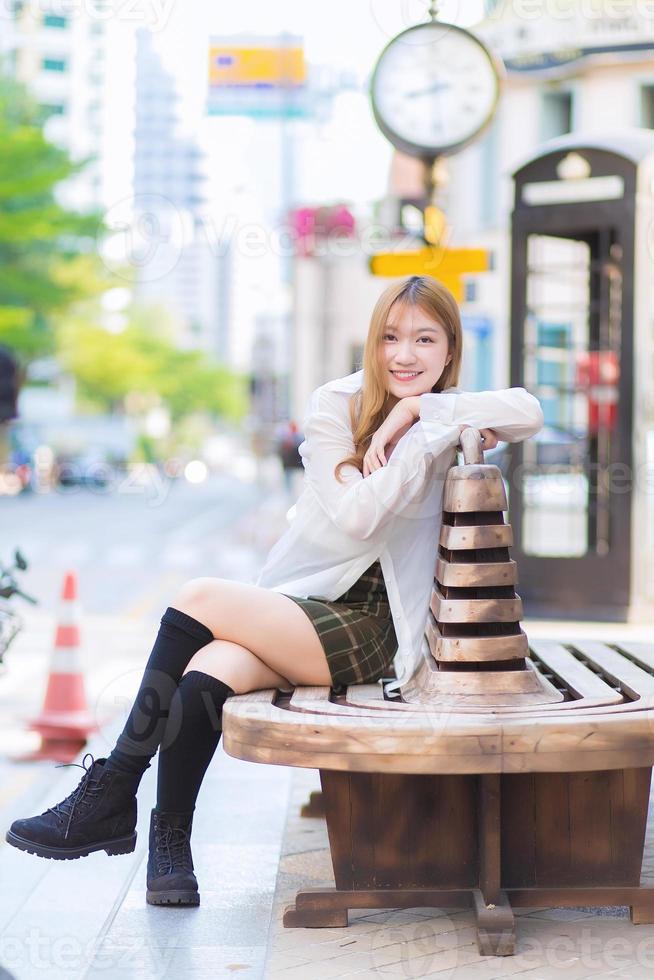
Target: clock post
column 434, row 89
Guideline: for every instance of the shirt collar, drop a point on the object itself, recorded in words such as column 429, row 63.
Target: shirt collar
column 350, row 383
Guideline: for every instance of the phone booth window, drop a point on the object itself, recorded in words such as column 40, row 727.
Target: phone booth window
column 566, row 510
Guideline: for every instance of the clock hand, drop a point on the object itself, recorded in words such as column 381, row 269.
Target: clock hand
column 436, row 87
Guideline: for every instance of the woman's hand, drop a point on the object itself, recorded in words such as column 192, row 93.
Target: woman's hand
column 398, row 421
column 489, row 438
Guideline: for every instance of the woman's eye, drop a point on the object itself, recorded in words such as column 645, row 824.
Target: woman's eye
column 389, row 336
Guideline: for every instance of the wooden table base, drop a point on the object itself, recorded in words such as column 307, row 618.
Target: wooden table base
column 409, row 841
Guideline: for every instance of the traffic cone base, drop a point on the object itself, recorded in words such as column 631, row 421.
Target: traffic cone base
column 64, row 721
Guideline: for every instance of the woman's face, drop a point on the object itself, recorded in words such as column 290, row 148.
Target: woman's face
column 414, row 351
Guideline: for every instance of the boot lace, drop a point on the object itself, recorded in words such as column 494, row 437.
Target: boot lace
column 83, row 795
column 173, row 849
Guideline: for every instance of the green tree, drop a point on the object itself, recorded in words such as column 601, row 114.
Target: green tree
column 142, row 359
column 48, row 256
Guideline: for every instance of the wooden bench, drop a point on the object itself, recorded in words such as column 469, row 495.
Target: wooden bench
column 510, row 773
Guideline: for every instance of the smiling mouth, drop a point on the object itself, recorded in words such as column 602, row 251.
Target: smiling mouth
column 406, row 374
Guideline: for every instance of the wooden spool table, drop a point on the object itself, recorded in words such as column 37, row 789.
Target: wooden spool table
column 509, row 773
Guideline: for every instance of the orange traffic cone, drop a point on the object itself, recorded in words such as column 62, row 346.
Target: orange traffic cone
column 65, row 720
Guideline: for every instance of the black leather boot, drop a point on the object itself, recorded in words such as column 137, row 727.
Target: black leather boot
column 99, row 815
column 170, row 877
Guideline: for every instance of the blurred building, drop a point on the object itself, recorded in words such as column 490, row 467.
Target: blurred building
column 63, row 54
column 164, row 164
column 180, row 266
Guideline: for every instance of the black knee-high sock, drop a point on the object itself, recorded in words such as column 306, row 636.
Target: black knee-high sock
column 179, row 638
column 190, row 740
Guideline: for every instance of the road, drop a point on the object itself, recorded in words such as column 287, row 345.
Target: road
column 129, row 547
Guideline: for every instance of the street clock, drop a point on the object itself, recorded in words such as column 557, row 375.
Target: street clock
column 435, row 87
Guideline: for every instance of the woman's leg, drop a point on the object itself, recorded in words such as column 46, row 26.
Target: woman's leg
column 179, row 638
column 100, row 814
column 268, row 641
column 256, row 628
column 195, row 720
column 280, row 631
column 194, row 726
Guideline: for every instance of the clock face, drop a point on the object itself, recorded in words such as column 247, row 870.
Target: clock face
column 433, row 91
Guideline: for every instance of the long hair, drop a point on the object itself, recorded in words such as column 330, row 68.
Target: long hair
column 371, row 404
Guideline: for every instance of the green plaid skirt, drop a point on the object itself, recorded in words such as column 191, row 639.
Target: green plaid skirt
column 356, row 630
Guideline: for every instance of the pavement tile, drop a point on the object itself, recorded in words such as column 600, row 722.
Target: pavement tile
column 235, row 924
column 562, row 914
column 140, row 961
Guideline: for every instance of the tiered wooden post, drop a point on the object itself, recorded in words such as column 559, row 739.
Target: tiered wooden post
column 480, row 651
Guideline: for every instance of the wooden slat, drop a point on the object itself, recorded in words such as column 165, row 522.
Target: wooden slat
column 574, row 673
column 480, row 536
column 641, row 651
column 476, row 574
column 635, row 681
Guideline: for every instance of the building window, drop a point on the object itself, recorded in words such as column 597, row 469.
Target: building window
column 470, row 291
column 647, row 106
column 53, row 109
column 489, row 178
column 356, row 357
column 54, row 64
column 556, row 114
column 55, row 20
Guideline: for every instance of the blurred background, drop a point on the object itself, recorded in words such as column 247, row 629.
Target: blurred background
column 199, row 206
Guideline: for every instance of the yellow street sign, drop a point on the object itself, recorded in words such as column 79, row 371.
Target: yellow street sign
column 446, row 265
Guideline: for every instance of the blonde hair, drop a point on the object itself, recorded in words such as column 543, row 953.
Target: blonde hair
column 371, row 404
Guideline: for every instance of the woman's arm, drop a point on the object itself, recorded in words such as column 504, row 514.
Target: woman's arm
column 361, row 506
column 512, row 413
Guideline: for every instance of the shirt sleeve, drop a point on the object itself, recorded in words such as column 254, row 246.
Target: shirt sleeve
column 360, row 506
column 513, row 413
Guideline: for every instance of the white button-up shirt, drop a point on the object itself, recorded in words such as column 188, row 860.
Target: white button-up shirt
column 337, row 530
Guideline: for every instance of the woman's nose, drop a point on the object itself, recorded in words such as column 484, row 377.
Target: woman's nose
column 405, row 354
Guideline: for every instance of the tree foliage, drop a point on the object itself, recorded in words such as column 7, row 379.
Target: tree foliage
column 143, row 360
column 48, row 257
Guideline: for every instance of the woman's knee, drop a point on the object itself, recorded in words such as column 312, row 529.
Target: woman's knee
column 235, row 665
column 195, row 593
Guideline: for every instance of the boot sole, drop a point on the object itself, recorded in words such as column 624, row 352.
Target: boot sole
column 120, row 845
column 173, row 897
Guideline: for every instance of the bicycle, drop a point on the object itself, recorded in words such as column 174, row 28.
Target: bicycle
column 11, row 622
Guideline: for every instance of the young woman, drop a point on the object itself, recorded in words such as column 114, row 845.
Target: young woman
column 342, row 595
